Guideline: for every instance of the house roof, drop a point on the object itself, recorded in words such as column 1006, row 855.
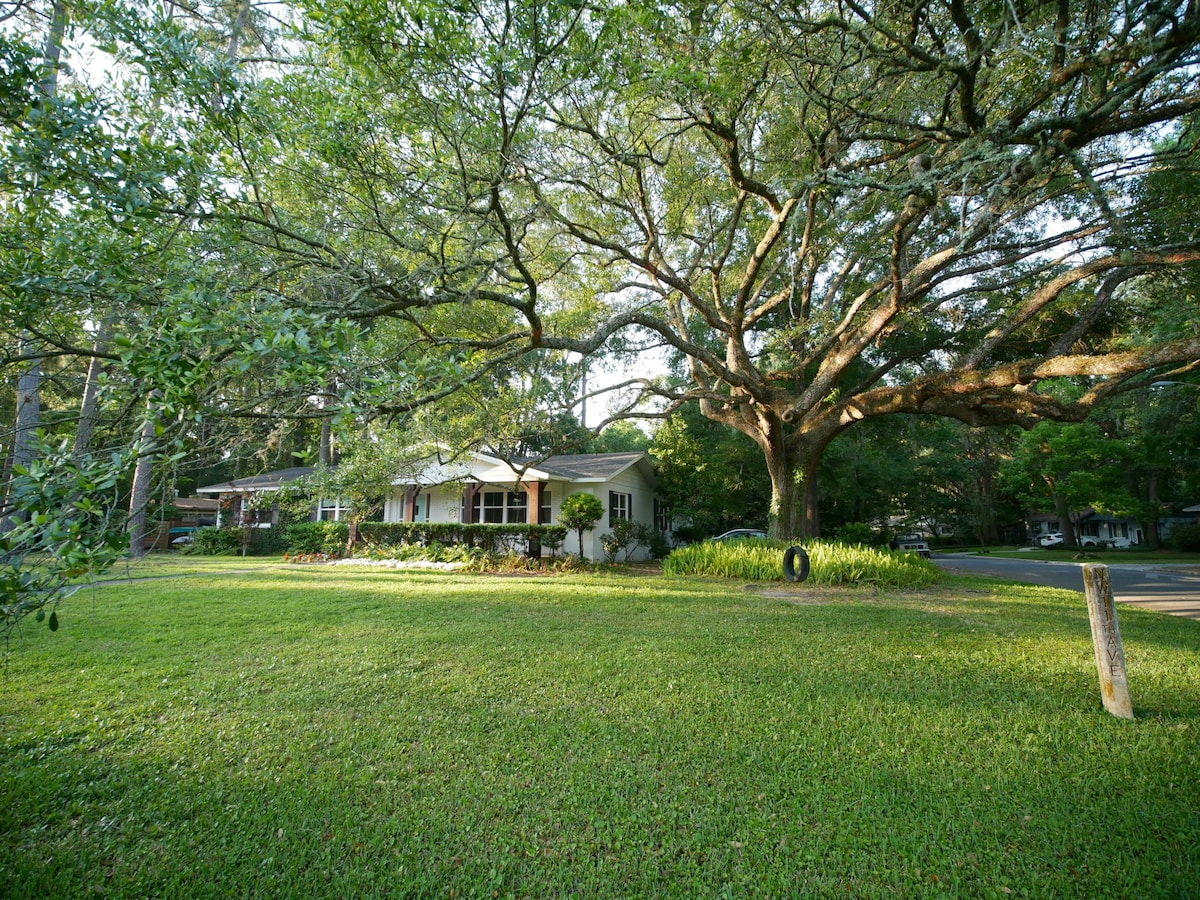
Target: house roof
column 196, row 504
column 589, row 466
column 576, row 468
column 267, row 481
column 580, row 468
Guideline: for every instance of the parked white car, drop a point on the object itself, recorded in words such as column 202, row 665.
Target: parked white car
column 1054, row 539
column 913, row 543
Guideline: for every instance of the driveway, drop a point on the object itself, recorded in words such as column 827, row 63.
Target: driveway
column 1173, row 589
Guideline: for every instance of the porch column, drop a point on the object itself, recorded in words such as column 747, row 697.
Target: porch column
column 470, row 514
column 410, row 502
column 533, row 490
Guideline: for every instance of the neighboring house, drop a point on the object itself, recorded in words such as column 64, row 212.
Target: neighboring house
column 240, row 499
column 489, row 490
column 1188, row 515
column 190, row 513
column 481, row 489
column 1111, row 529
column 1093, row 527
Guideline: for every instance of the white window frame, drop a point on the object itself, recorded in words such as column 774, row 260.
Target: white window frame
column 338, row 506
column 620, row 506
column 513, row 509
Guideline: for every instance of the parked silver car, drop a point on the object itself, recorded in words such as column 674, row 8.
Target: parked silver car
column 739, row 534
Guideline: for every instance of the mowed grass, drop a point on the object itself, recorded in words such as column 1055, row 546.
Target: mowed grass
column 173, row 563
column 332, row 732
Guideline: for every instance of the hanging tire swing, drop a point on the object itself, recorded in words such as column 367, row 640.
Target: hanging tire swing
column 795, row 564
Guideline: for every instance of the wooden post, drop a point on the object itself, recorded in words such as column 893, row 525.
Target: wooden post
column 470, row 495
column 410, row 502
column 1106, row 638
column 533, row 491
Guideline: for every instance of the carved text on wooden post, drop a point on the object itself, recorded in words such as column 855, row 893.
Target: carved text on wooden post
column 1106, row 637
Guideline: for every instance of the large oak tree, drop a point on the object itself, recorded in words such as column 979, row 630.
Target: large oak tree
column 829, row 211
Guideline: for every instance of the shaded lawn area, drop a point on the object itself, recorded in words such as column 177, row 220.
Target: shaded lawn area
column 322, row 732
column 171, row 564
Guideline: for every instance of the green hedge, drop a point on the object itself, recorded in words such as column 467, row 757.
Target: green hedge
column 1185, row 538
column 210, row 541
column 317, row 537
column 330, row 537
column 488, row 538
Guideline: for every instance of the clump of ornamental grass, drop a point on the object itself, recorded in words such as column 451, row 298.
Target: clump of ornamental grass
column 830, row 563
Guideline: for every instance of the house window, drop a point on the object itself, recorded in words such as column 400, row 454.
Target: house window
column 545, row 511
column 336, row 510
column 620, row 506
column 500, row 507
column 493, row 508
column 518, row 507
column 662, row 516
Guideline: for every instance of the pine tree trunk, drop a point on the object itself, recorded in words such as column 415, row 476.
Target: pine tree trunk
column 139, row 497
column 1152, row 535
column 28, row 419
column 29, row 383
column 89, row 406
column 989, row 533
column 1065, row 522
column 325, row 449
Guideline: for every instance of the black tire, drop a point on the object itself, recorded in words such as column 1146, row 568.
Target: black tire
column 790, row 571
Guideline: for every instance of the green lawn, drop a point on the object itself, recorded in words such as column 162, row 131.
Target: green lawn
column 332, row 732
column 170, row 564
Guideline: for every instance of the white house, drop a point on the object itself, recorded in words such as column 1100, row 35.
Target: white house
column 1095, row 528
column 485, row 489
column 482, row 489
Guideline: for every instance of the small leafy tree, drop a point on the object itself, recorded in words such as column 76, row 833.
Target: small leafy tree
column 580, row 511
column 363, row 478
column 626, row 537
column 65, row 510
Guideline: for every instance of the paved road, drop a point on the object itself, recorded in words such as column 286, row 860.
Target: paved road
column 1166, row 588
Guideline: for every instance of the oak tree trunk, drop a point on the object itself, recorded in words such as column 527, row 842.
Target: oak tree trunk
column 784, row 493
